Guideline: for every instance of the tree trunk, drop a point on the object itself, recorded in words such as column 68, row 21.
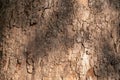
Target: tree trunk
column 59, row 40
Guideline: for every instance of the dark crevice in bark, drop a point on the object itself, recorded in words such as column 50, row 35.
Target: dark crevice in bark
column 96, row 6
column 115, row 4
column 56, row 25
column 109, row 57
column 44, row 42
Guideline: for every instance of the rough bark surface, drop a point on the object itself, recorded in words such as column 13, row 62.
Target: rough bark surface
column 59, row 39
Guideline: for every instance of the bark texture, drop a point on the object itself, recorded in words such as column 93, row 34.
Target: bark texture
column 59, row 39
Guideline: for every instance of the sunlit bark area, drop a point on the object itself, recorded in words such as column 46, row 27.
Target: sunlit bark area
column 59, row 40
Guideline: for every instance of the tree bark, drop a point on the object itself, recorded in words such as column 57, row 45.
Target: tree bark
column 59, row 40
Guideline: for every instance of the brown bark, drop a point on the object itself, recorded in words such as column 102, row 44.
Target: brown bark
column 59, row 40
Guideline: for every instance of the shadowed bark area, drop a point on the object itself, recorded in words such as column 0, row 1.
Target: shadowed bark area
column 59, row 40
